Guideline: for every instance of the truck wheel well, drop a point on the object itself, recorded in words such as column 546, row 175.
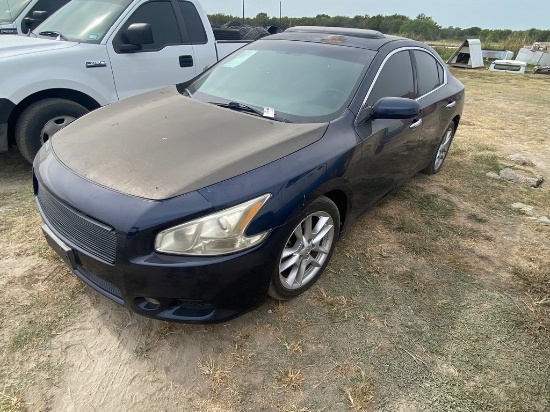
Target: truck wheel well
column 73, row 95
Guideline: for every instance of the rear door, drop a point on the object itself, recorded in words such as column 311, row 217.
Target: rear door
column 169, row 60
column 430, row 79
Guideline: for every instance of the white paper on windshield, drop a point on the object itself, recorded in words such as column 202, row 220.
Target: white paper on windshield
column 269, row 112
column 240, row 59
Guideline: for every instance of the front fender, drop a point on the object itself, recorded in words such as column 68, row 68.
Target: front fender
column 58, row 69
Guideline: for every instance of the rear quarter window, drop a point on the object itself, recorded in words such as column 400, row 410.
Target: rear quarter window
column 193, row 22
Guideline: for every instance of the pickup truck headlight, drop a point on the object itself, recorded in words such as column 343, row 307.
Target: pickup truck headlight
column 216, row 234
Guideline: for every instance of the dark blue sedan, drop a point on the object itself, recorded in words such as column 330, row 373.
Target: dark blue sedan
column 194, row 202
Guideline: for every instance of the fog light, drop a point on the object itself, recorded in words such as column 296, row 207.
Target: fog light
column 152, row 301
column 147, row 303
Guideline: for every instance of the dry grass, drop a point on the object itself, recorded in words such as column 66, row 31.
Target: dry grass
column 437, row 299
column 214, row 371
column 362, row 394
column 11, row 402
column 159, row 332
column 340, row 306
column 290, row 378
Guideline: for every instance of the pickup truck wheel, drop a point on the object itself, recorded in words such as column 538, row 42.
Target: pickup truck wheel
column 38, row 122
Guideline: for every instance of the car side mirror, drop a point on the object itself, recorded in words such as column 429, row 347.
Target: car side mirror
column 390, row 108
column 136, row 35
column 37, row 18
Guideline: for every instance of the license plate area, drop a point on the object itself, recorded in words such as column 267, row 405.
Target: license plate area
column 65, row 252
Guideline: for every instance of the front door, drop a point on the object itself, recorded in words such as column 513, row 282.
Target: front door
column 168, row 60
column 388, row 146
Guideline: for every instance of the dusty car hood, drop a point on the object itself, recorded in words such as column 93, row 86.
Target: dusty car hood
column 160, row 144
column 17, row 45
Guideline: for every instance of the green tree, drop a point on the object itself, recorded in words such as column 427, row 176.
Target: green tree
column 422, row 28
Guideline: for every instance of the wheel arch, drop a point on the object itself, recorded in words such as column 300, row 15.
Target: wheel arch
column 340, row 199
column 456, row 121
column 68, row 94
column 338, row 191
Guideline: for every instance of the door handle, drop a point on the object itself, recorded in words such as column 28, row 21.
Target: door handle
column 416, row 124
column 186, row 61
column 451, row 105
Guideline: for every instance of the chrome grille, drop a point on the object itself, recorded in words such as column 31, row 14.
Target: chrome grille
column 94, row 237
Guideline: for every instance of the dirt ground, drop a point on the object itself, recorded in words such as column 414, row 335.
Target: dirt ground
column 437, row 299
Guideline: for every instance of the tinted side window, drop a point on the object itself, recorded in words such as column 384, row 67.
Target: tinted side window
column 427, row 73
column 195, row 29
column 395, row 79
column 160, row 15
column 49, row 6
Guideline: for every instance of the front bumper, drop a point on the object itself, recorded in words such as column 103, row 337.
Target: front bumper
column 122, row 264
column 176, row 288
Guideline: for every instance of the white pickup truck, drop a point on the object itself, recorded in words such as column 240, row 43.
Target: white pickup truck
column 95, row 52
column 18, row 16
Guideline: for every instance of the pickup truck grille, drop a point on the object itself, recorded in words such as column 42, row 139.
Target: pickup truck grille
column 97, row 239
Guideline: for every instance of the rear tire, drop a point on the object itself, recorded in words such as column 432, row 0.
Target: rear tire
column 41, row 120
column 441, row 153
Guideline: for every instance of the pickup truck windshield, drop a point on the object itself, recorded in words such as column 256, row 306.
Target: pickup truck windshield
column 303, row 82
column 84, row 20
column 10, row 9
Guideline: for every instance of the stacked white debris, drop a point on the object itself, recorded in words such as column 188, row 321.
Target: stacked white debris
column 509, row 66
column 535, row 54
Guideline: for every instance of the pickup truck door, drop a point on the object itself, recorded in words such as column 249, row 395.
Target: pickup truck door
column 204, row 50
column 168, row 60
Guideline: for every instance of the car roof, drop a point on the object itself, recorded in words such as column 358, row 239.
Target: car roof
column 361, row 38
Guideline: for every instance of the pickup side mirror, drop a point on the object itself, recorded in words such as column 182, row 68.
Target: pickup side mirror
column 390, row 108
column 136, row 35
column 37, row 18
column 39, row 15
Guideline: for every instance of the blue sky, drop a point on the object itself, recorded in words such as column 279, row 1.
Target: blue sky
column 487, row 14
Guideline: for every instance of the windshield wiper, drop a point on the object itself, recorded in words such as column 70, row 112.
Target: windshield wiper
column 52, row 33
column 240, row 107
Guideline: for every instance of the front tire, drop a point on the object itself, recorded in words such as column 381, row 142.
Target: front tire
column 309, row 245
column 41, row 120
column 441, row 153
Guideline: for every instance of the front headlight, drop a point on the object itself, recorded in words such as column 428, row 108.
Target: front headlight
column 216, row 234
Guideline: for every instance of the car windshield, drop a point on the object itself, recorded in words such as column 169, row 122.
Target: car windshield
column 84, row 20
column 303, row 82
column 10, row 9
